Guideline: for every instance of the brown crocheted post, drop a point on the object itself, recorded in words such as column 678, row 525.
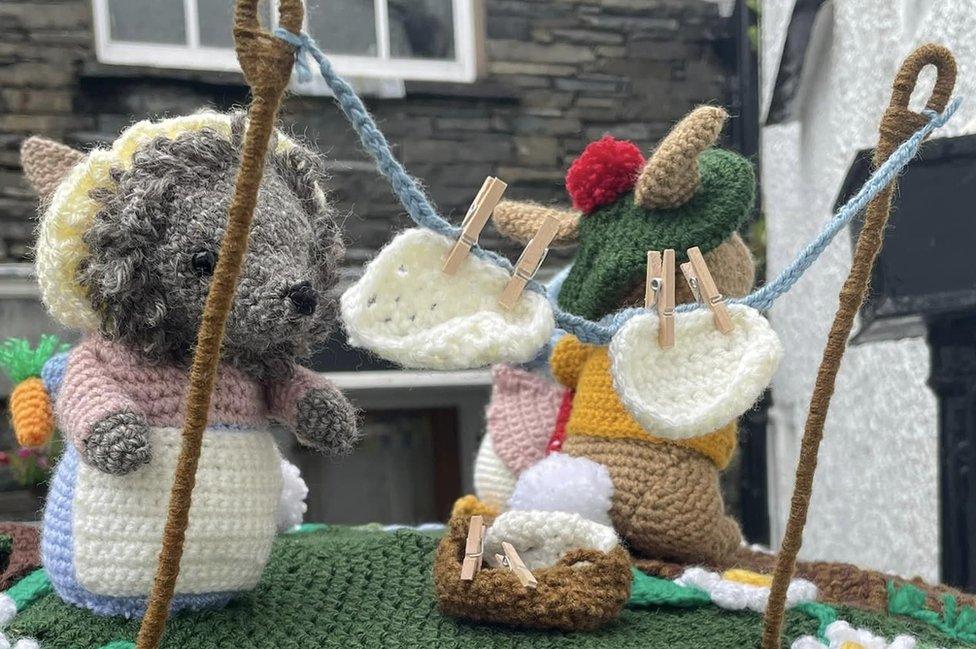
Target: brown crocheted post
column 267, row 63
column 897, row 125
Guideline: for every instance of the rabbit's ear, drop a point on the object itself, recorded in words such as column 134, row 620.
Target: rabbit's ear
column 46, row 163
column 519, row 221
column 670, row 177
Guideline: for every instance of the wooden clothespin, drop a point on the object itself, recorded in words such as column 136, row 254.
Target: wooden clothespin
column 703, row 286
column 474, row 548
column 516, row 565
column 659, row 292
column 529, row 262
column 474, row 222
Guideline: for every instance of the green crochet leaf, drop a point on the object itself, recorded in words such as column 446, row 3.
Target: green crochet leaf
column 29, row 589
column 909, row 600
column 653, row 591
column 20, row 362
column 825, row 615
column 308, row 528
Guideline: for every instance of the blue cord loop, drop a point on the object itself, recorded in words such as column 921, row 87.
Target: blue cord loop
column 420, row 210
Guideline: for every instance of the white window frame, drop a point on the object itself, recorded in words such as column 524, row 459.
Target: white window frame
column 193, row 56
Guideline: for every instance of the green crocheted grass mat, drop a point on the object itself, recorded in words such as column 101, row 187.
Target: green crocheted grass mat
column 346, row 587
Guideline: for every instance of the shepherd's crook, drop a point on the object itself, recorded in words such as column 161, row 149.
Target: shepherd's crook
column 267, row 63
column 897, row 125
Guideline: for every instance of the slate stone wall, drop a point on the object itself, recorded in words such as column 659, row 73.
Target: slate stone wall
column 557, row 74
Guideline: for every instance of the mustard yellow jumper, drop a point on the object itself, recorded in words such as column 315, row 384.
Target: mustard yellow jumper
column 598, row 411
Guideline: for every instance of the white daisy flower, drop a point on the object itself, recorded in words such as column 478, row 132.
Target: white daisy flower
column 841, row 635
column 743, row 589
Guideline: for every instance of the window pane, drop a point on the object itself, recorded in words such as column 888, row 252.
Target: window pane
column 217, row 21
column 147, row 21
column 422, row 29
column 343, row 26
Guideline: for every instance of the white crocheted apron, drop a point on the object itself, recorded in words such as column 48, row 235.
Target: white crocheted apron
column 118, row 520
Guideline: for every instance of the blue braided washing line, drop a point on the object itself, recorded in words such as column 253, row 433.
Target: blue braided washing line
column 420, row 210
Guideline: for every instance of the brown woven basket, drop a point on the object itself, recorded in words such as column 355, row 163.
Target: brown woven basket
column 582, row 591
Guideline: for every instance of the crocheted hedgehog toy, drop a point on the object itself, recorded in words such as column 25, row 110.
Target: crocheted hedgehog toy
column 665, row 498
column 128, row 240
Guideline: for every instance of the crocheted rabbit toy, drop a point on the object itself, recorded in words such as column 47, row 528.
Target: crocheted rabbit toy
column 128, row 240
column 665, row 498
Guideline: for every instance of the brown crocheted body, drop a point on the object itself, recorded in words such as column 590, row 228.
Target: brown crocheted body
column 666, row 500
column 582, row 591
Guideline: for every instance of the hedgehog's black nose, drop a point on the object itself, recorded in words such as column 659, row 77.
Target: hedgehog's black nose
column 303, row 296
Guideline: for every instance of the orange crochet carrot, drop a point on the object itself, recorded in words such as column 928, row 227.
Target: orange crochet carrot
column 32, row 413
column 31, row 410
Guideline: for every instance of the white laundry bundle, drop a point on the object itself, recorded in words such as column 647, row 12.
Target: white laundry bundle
column 544, row 537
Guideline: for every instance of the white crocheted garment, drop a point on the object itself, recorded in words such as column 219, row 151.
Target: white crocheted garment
column 494, row 482
column 542, row 538
column 406, row 310
column 704, row 381
column 118, row 520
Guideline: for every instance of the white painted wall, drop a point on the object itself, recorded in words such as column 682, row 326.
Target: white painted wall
column 875, row 499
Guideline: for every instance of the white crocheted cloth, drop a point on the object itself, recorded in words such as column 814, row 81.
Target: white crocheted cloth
column 542, row 538
column 563, row 483
column 494, row 482
column 118, row 520
column 704, row 381
column 406, row 310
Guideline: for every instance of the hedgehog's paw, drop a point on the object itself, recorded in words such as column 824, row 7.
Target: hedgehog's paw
column 118, row 444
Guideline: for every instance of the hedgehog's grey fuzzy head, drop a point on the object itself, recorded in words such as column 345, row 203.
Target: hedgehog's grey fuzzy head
column 155, row 240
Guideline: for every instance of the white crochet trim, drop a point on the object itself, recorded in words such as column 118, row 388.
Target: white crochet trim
column 118, row 520
column 736, row 596
column 704, row 381
column 408, row 311
column 542, row 538
column 493, row 481
column 8, row 609
column 840, row 632
column 564, row 483
column 291, row 505
column 60, row 247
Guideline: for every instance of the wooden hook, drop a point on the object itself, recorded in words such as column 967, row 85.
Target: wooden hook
column 529, row 262
column 703, row 286
column 474, row 222
column 659, row 293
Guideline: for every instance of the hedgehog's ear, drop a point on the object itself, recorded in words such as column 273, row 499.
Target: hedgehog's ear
column 46, row 163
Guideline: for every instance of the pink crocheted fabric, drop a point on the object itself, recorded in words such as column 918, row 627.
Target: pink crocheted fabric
column 104, row 378
column 521, row 415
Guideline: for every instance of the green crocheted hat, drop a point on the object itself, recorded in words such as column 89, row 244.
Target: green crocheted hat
column 614, row 240
column 686, row 195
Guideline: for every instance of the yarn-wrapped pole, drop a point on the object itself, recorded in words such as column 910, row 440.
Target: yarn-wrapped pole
column 897, row 125
column 267, row 63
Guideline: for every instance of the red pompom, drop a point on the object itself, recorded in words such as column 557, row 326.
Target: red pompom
column 606, row 170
